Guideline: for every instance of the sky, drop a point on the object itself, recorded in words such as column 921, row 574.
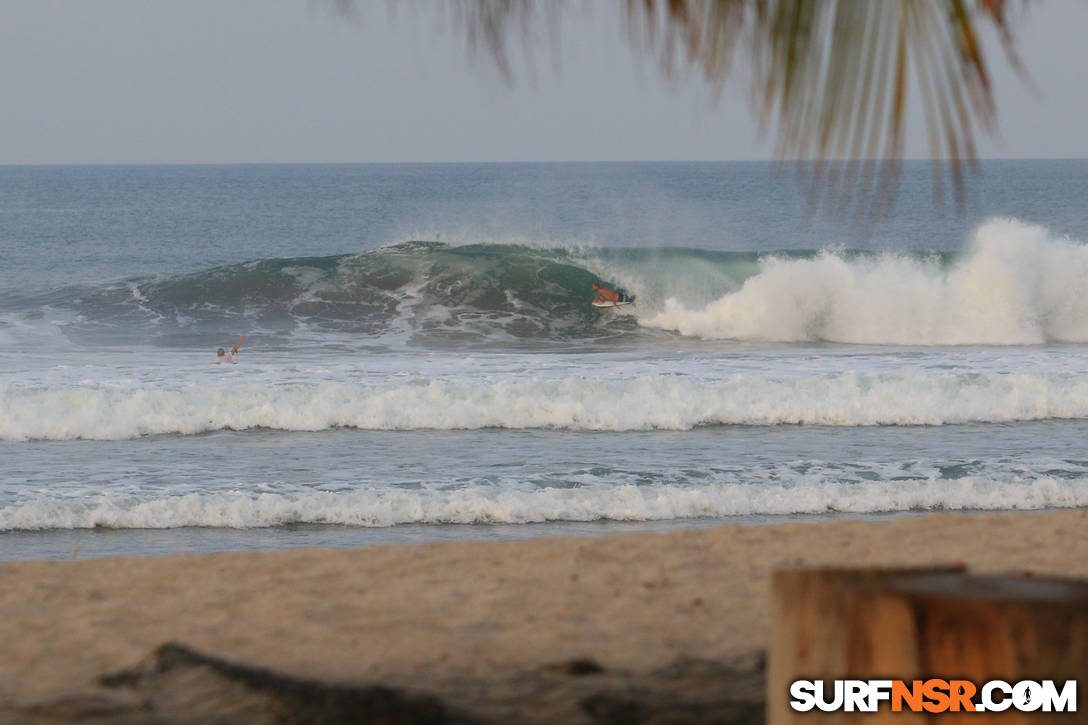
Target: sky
column 289, row 81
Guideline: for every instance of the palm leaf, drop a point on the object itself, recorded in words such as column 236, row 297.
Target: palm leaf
column 830, row 79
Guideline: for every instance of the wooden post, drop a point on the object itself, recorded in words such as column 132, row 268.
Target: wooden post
column 907, row 624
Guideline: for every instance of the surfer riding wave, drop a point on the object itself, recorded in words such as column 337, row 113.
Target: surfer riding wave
column 606, row 295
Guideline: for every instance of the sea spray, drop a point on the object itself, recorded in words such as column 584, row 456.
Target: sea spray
column 1013, row 285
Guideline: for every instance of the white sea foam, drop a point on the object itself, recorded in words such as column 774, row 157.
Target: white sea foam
column 489, row 504
column 1014, row 285
column 129, row 409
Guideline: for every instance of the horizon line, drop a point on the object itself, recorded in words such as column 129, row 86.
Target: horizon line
column 913, row 159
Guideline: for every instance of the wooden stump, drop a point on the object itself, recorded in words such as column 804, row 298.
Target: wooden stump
column 917, row 624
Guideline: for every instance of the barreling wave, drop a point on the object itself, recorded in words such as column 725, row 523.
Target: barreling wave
column 653, row 402
column 483, row 504
column 421, row 292
column 1014, row 284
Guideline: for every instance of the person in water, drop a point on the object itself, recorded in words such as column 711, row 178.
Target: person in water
column 228, row 358
column 606, row 295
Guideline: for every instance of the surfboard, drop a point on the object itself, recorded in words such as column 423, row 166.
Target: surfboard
column 610, row 303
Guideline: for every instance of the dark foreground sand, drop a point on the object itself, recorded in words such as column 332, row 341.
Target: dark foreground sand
column 623, row 628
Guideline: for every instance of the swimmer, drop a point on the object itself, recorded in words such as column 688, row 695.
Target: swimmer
column 229, row 358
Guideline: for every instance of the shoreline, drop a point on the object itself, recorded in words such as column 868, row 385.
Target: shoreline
column 103, row 542
column 458, row 619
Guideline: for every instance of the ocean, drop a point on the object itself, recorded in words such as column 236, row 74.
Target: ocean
column 421, row 361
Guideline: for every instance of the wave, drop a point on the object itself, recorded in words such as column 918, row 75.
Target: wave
column 423, row 292
column 1014, row 284
column 489, row 505
column 103, row 411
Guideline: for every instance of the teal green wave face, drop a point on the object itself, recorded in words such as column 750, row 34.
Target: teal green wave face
column 487, row 277
column 431, row 294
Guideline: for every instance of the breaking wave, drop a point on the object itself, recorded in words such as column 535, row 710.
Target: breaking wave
column 106, row 411
column 1013, row 284
column 480, row 504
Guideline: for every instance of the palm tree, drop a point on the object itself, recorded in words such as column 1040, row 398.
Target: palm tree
column 829, row 78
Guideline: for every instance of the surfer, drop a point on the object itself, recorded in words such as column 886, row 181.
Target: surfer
column 606, row 295
column 228, row 358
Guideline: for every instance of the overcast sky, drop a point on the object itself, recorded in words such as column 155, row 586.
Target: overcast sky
column 229, row 81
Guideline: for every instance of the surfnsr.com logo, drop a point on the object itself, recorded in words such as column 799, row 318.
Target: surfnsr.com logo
column 933, row 696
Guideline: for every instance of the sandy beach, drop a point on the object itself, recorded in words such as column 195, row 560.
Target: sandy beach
column 530, row 628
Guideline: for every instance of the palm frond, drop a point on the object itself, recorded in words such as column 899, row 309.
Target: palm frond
column 831, row 79
column 488, row 25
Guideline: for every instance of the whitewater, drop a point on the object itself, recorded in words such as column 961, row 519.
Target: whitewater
column 432, row 365
column 1014, row 284
column 125, row 409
